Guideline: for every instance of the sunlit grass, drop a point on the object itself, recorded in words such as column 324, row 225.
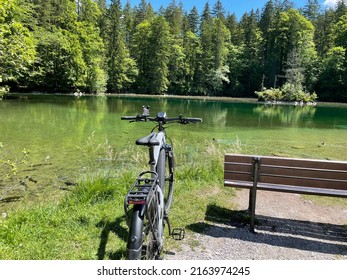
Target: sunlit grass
column 89, row 223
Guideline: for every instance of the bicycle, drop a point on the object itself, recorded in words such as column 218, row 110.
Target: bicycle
column 147, row 203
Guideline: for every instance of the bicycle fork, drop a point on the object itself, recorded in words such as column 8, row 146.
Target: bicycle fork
column 175, row 233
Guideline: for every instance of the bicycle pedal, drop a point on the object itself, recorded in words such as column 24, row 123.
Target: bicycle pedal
column 178, row 233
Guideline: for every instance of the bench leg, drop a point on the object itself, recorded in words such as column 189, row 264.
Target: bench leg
column 253, row 193
column 252, row 204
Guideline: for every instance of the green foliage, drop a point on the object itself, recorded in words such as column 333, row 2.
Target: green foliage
column 3, row 90
column 17, row 45
column 121, row 68
column 272, row 94
column 60, row 65
column 289, row 92
column 251, row 38
column 10, row 167
column 151, row 43
column 333, row 79
column 341, row 32
column 292, row 92
column 93, row 47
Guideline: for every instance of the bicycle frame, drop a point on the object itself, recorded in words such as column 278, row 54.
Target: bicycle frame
column 151, row 203
column 154, row 151
column 150, row 192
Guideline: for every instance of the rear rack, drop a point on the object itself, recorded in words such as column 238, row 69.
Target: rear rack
column 142, row 191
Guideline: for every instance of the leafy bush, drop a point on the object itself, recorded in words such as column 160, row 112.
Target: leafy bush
column 3, row 90
column 293, row 93
column 288, row 92
column 272, row 94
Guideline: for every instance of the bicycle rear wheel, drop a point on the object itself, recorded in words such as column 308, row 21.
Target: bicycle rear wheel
column 142, row 244
column 135, row 237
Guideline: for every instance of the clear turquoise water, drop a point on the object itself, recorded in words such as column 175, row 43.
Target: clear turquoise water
column 67, row 136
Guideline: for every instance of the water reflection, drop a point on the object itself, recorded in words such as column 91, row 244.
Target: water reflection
column 285, row 114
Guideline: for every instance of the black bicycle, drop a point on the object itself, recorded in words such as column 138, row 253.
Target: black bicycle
column 148, row 202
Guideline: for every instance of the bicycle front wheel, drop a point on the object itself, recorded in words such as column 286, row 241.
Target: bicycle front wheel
column 165, row 170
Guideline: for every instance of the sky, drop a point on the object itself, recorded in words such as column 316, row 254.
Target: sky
column 239, row 7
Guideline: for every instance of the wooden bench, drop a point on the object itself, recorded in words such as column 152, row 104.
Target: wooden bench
column 292, row 175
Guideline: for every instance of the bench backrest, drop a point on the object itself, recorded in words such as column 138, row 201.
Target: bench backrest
column 307, row 173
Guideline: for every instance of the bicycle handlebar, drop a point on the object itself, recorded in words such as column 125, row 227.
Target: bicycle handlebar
column 180, row 119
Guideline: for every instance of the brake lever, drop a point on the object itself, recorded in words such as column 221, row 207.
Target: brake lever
column 182, row 120
column 139, row 118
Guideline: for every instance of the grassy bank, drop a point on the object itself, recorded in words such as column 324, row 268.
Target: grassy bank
column 88, row 222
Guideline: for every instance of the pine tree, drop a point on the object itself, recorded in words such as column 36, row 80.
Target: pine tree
column 192, row 52
column 232, row 25
column 174, row 16
column 144, row 11
column 297, row 35
column 206, row 13
column 122, row 69
column 267, row 27
column 194, row 20
column 218, row 11
column 151, row 47
column 92, row 46
column 311, row 10
column 251, row 56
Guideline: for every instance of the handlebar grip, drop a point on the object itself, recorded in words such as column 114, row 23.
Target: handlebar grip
column 128, row 118
column 194, row 120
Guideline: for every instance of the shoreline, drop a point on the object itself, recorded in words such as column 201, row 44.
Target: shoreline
column 190, row 97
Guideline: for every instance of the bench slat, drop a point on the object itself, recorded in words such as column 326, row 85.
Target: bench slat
column 281, row 161
column 304, row 172
column 305, row 163
column 238, row 177
column 303, row 182
column 281, row 180
column 238, row 158
column 238, row 167
column 287, row 188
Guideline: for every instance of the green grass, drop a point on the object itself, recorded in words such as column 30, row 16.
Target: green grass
column 88, row 223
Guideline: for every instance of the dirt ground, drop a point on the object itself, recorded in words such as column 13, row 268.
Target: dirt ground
column 289, row 226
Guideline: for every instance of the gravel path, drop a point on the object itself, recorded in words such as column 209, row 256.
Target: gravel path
column 289, row 228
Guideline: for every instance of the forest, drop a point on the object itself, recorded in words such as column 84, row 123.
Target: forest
column 99, row 46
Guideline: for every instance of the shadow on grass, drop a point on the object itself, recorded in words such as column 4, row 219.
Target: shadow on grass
column 116, row 228
column 303, row 235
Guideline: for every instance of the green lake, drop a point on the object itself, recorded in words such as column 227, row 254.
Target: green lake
column 54, row 140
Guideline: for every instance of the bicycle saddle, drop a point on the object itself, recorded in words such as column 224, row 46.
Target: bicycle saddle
column 148, row 140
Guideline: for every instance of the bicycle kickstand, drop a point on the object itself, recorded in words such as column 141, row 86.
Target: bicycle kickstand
column 176, row 233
